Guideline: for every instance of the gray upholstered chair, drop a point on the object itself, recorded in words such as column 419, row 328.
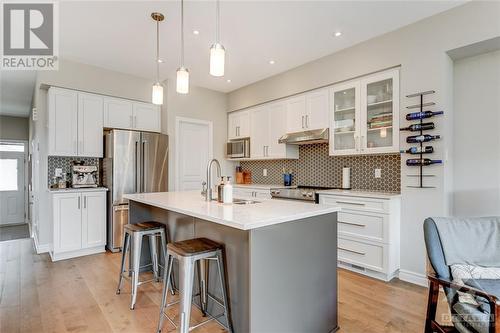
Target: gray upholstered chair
column 466, row 318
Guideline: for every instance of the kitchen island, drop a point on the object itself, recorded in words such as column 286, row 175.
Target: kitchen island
column 281, row 256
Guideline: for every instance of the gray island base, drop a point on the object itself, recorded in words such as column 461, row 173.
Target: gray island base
column 281, row 277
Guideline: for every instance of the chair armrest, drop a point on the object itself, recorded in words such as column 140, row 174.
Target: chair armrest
column 492, row 299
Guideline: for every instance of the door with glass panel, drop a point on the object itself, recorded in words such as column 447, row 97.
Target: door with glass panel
column 12, row 191
column 344, row 126
column 380, row 113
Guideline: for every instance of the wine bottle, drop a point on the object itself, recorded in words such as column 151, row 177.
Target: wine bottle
column 422, row 138
column 423, row 161
column 418, row 150
column 419, row 127
column 422, row 115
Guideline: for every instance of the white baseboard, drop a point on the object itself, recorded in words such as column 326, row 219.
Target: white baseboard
column 412, row 277
column 40, row 248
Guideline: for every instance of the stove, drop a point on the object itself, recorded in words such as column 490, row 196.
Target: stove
column 303, row 193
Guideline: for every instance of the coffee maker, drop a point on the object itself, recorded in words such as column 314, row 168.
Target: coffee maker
column 84, row 176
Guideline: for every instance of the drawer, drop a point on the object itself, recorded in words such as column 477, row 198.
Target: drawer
column 370, row 226
column 356, row 203
column 362, row 254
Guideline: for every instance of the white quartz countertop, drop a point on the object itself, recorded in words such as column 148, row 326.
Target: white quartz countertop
column 361, row 193
column 245, row 217
column 73, row 190
column 262, row 186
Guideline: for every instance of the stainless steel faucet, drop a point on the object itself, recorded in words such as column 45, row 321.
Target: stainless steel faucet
column 208, row 197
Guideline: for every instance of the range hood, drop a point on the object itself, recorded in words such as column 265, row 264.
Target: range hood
column 305, row 137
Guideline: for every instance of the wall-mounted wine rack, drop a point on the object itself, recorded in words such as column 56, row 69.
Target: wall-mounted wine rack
column 421, row 150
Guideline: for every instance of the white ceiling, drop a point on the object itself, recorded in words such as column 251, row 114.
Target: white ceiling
column 120, row 35
column 16, row 92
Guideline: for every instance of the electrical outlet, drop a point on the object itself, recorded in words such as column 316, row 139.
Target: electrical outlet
column 58, row 172
column 378, row 173
column 264, row 172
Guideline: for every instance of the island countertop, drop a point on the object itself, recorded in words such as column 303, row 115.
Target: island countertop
column 265, row 212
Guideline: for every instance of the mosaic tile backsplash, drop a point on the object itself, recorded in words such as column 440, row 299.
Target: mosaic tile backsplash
column 316, row 168
column 65, row 163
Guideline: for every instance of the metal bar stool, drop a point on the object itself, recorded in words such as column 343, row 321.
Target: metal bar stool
column 199, row 251
column 132, row 240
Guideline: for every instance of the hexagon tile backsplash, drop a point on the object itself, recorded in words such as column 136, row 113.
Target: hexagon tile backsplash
column 65, row 163
column 316, row 168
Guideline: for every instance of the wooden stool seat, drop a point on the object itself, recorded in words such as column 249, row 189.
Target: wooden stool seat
column 191, row 247
column 143, row 226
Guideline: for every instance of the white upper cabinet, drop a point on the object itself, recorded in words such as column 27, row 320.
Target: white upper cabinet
column 267, row 125
column 238, row 125
column 63, row 122
column 259, row 132
column 380, row 113
column 90, row 125
column 344, row 127
column 118, row 113
column 365, row 115
column 147, row 117
column 317, row 109
column 295, row 114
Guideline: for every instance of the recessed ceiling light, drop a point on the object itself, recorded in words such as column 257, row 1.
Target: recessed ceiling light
column 271, row 62
column 160, row 61
column 228, row 80
column 196, row 32
column 338, row 33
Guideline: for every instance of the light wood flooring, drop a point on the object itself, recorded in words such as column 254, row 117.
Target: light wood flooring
column 78, row 295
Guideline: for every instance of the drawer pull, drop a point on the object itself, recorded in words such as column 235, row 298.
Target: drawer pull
column 352, row 251
column 351, row 203
column 355, row 224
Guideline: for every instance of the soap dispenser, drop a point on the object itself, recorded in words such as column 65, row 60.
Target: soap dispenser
column 228, row 191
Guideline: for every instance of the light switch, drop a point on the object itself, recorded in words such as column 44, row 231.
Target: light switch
column 264, row 172
column 58, row 172
column 378, row 173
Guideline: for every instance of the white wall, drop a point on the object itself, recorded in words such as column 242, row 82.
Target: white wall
column 13, row 128
column 420, row 49
column 203, row 104
column 477, row 135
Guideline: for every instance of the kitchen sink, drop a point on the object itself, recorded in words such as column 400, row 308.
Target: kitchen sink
column 244, row 202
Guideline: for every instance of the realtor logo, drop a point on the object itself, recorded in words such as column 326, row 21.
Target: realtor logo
column 29, row 36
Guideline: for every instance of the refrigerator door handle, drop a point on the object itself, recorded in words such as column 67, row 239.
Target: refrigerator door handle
column 136, row 163
column 144, row 167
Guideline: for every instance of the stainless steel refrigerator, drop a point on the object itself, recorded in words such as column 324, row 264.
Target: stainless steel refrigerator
column 134, row 162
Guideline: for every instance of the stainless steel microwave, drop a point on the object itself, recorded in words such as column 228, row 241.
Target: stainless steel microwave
column 238, row 148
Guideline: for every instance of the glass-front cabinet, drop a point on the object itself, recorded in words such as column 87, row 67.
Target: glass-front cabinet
column 344, row 128
column 365, row 115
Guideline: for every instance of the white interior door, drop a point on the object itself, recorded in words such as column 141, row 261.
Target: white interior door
column 193, row 148
column 12, row 191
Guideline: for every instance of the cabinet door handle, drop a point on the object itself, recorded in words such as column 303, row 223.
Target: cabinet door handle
column 307, row 121
column 352, row 251
column 355, row 224
column 302, row 121
column 351, row 203
column 85, row 202
column 79, row 202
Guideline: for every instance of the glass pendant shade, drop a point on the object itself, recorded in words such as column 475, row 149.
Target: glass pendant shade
column 157, row 95
column 217, row 59
column 182, row 80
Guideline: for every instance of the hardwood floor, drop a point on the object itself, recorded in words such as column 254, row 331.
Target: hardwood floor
column 78, row 295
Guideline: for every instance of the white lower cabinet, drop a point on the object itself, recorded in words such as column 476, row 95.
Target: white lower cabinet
column 368, row 233
column 79, row 224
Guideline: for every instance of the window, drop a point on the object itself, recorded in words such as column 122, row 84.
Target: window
column 12, row 147
column 8, row 174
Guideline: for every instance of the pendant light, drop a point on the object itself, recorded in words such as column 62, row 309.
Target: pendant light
column 182, row 72
column 157, row 94
column 217, row 51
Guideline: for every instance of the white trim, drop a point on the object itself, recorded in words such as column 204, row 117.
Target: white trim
column 412, row 277
column 178, row 121
column 77, row 253
column 40, row 248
